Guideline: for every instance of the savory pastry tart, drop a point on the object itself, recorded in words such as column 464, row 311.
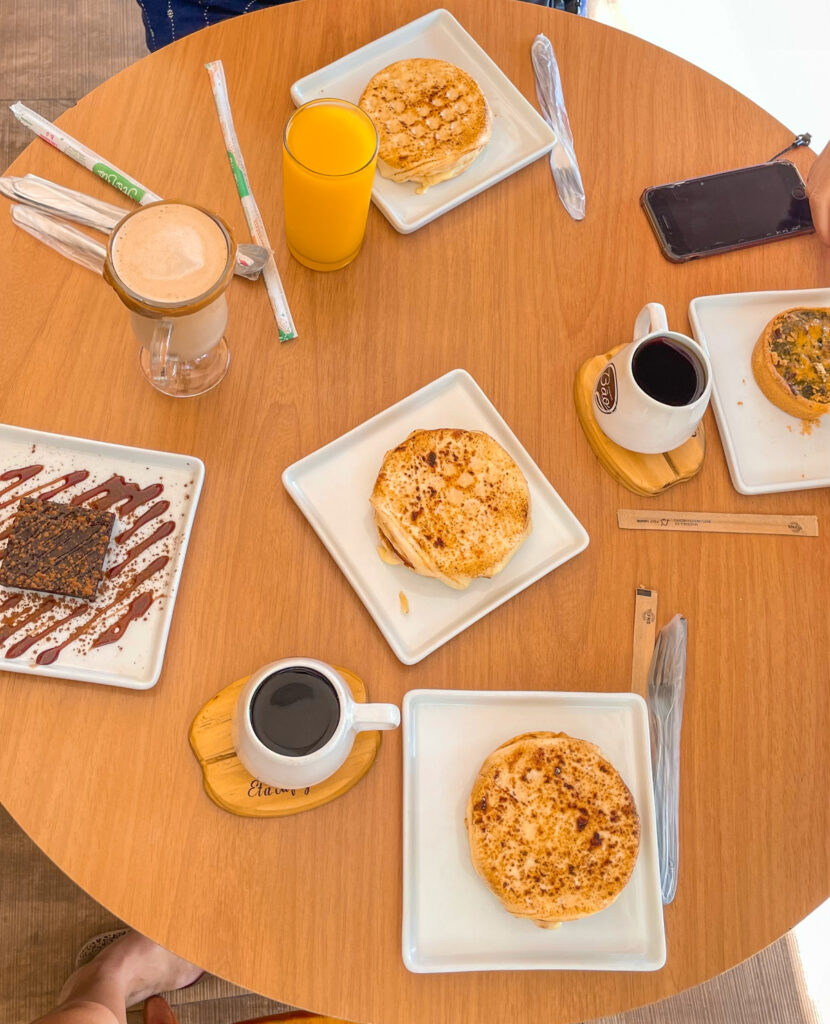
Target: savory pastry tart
column 450, row 504
column 432, row 119
column 791, row 362
column 553, row 828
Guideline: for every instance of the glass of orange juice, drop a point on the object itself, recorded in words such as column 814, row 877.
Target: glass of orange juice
column 330, row 148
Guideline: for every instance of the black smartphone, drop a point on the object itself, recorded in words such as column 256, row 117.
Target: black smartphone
column 731, row 210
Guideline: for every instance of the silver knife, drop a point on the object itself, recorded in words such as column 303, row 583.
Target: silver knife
column 666, row 691
column 563, row 164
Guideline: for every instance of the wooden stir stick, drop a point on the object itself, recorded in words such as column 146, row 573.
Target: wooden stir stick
column 645, row 631
column 717, row 522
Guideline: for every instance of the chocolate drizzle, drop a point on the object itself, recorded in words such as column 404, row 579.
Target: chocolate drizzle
column 136, row 608
column 25, row 618
column 127, row 497
column 158, row 534
column 29, row 641
column 153, row 512
column 67, row 480
column 50, row 655
column 116, row 490
column 19, row 476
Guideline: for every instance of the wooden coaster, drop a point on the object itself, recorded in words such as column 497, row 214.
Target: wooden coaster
column 232, row 787
column 642, row 474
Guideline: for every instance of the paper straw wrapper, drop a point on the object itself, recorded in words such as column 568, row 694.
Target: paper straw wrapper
column 273, row 284
column 83, row 155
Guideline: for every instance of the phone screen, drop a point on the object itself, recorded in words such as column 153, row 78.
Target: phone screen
column 729, row 210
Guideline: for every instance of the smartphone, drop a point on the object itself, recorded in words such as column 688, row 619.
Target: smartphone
column 731, row 210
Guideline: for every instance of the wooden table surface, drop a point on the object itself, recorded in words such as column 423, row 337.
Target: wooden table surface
column 308, row 909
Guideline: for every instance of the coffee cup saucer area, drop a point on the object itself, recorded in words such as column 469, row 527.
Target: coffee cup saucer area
column 645, row 442
column 650, row 397
column 296, row 721
column 241, row 791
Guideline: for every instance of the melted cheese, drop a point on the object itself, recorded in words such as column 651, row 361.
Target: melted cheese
column 800, row 352
column 427, row 180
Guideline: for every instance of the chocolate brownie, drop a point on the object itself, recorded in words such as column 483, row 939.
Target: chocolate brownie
column 56, row 548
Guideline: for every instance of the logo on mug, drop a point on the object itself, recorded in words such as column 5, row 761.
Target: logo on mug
column 605, row 392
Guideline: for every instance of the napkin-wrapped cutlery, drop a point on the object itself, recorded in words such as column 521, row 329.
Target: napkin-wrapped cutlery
column 60, row 236
column 563, row 163
column 666, row 691
column 58, row 201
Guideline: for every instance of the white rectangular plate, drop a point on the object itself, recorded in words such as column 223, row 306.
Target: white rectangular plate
column 765, row 448
column 135, row 660
column 332, row 488
column 451, row 920
column 519, row 135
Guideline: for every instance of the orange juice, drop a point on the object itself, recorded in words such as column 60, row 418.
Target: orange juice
column 329, row 153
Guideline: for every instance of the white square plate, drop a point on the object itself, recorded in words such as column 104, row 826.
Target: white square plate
column 451, row 920
column 765, row 448
column 135, row 659
column 332, row 488
column 519, row 135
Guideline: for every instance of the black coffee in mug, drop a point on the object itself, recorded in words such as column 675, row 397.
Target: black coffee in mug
column 295, row 711
column 667, row 372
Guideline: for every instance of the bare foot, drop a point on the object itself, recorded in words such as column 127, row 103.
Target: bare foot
column 135, row 966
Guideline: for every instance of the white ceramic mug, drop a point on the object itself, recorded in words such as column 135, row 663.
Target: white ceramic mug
column 290, row 772
column 630, row 416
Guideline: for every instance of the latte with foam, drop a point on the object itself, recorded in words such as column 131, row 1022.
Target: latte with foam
column 170, row 253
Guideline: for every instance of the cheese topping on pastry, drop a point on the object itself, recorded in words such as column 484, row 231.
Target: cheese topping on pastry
column 800, row 348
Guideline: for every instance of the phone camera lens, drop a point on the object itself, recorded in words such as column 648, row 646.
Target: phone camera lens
column 799, row 192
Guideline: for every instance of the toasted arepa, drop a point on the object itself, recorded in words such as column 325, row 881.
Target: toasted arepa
column 432, row 119
column 553, row 828
column 791, row 362
column 450, row 504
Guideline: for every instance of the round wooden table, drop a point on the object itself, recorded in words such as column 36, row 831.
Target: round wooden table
column 307, row 909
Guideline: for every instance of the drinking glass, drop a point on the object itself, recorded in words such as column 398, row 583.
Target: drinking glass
column 330, row 150
column 183, row 349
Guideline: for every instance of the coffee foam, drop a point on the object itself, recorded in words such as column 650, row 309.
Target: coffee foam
column 170, row 253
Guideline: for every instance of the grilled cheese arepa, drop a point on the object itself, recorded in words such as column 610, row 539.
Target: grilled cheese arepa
column 450, row 504
column 791, row 362
column 432, row 120
column 553, row 828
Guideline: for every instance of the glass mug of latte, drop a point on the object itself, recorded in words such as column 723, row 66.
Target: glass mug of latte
column 296, row 720
column 170, row 263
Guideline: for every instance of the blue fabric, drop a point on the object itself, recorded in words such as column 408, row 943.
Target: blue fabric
column 573, row 6
column 167, row 20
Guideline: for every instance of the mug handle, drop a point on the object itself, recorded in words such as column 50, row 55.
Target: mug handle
column 651, row 318
column 376, row 716
column 159, row 344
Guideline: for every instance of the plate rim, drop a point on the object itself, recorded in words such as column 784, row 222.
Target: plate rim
column 406, row 654
column 532, row 116
column 97, row 676
column 626, row 700
column 739, row 481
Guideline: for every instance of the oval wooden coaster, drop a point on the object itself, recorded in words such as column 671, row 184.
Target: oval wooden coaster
column 230, row 786
column 642, row 474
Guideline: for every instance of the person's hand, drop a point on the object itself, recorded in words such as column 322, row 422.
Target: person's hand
column 818, row 192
